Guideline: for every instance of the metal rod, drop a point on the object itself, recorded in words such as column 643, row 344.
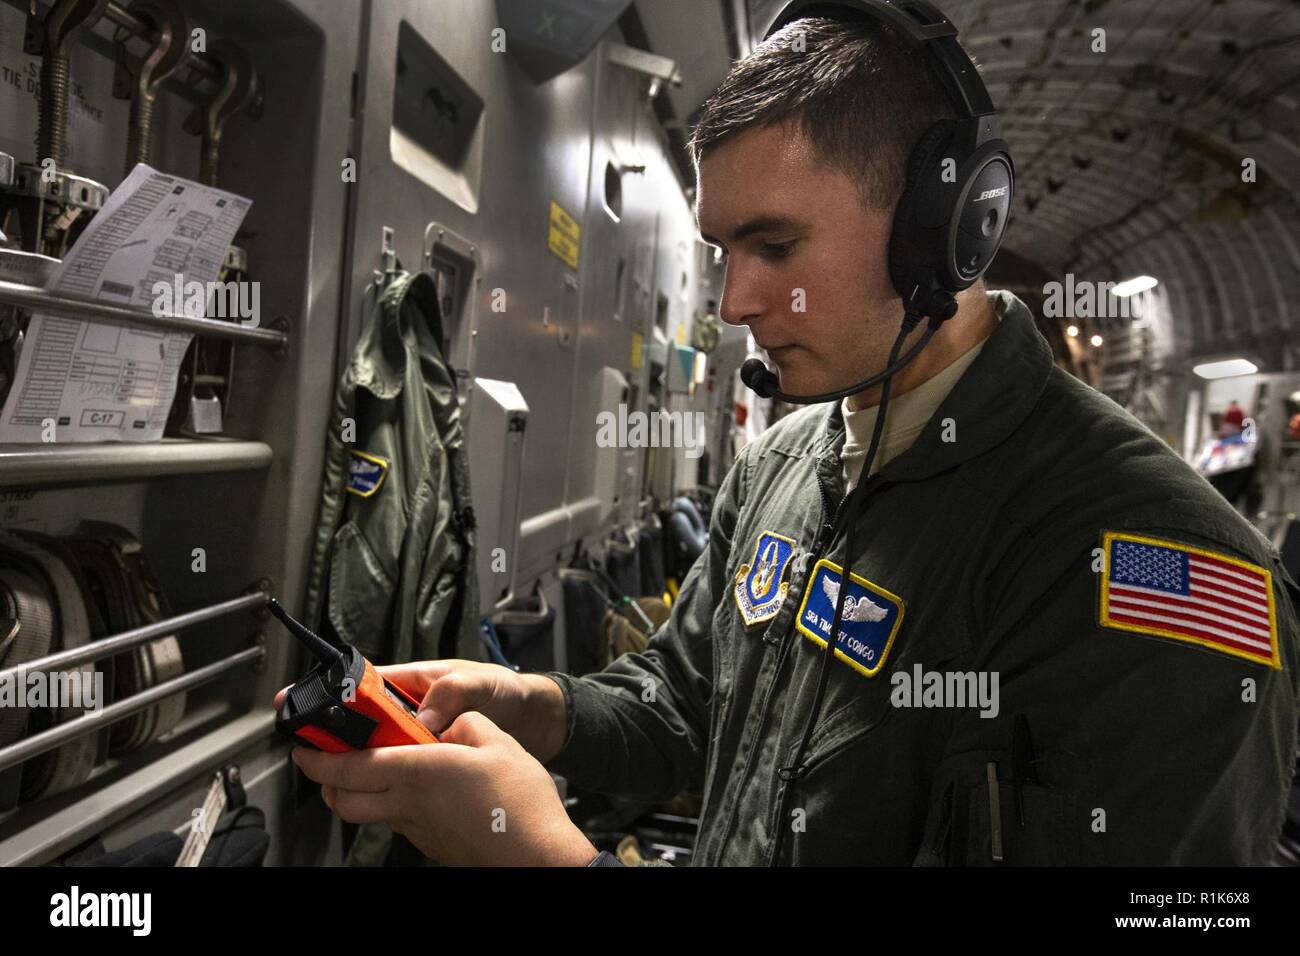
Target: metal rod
column 124, row 18
column 84, row 463
column 55, row 736
column 109, row 646
column 129, row 21
column 83, row 307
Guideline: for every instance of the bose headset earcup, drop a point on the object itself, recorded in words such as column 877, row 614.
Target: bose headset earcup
column 905, row 251
column 953, row 212
column 979, row 219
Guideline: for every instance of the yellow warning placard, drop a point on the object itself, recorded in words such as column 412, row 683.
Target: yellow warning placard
column 636, row 350
column 562, row 237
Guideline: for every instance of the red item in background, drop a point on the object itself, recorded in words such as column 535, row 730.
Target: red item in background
column 742, row 414
column 1234, row 416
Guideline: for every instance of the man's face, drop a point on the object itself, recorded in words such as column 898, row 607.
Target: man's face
column 797, row 237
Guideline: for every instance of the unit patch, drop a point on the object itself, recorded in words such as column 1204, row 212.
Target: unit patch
column 759, row 589
column 872, row 617
column 1153, row 586
column 365, row 473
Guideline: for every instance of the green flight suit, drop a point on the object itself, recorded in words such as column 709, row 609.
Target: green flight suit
column 392, row 564
column 1145, row 749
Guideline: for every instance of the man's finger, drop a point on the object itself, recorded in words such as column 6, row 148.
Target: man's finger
column 415, row 677
column 356, row 807
column 450, row 696
column 472, row 729
column 360, row 771
column 279, row 696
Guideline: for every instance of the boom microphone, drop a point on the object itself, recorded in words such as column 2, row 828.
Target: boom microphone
column 761, row 380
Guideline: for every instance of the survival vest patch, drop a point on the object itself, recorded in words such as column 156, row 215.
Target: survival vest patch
column 1159, row 587
column 365, row 473
column 759, row 590
column 872, row 617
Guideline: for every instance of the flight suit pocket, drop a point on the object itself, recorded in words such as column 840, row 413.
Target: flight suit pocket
column 844, row 726
column 988, row 835
column 431, row 621
column 361, row 594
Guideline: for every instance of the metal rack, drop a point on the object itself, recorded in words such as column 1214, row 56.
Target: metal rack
column 85, row 307
column 27, row 464
column 228, row 714
column 28, row 747
column 68, row 821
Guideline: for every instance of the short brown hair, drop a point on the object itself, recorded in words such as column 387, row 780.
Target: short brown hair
column 861, row 95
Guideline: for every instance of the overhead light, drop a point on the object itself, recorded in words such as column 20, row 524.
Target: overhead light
column 1134, row 286
column 1096, row 341
column 1072, row 331
column 1225, row 369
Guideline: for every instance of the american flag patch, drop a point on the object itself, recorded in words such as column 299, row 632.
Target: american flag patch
column 1172, row 590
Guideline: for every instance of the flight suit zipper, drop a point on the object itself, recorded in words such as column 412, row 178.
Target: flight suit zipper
column 825, row 532
column 776, row 823
column 829, row 513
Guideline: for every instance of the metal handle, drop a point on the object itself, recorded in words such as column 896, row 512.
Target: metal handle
column 56, row 736
column 109, row 646
column 504, row 614
column 83, row 307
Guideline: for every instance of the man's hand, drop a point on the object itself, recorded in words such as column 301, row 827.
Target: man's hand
column 477, row 798
column 529, row 707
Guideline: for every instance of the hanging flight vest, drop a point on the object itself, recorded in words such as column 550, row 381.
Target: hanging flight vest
column 392, row 565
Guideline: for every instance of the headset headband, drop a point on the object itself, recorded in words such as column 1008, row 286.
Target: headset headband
column 921, row 25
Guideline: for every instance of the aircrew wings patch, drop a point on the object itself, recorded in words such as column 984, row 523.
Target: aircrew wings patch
column 871, row 619
column 1153, row 586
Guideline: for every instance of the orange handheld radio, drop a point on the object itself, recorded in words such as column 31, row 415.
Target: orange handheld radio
column 343, row 703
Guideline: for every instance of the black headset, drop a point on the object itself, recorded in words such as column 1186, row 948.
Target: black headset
column 952, row 214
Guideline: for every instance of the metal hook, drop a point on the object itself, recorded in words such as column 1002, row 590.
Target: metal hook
column 165, row 57
column 237, row 91
column 66, row 20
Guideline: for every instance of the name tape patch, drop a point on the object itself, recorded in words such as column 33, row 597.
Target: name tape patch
column 871, row 620
column 759, row 588
column 1153, row 586
column 365, row 473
